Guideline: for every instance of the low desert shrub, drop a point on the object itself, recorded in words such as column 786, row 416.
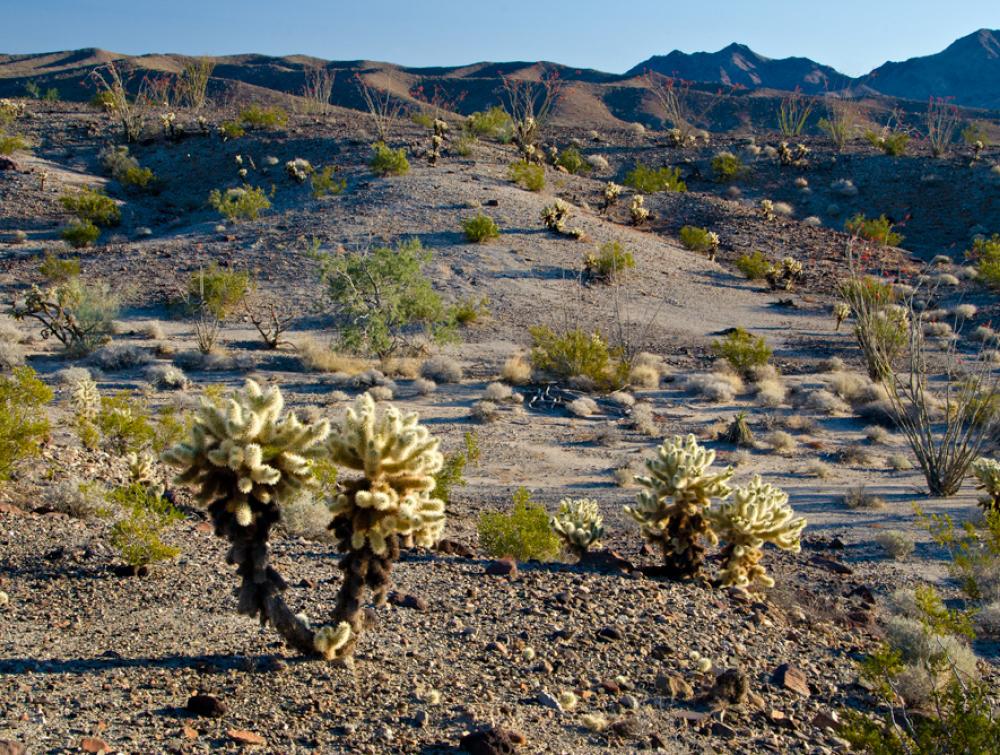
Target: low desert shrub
column 859, row 498
column 609, row 262
column 80, row 235
column 57, row 270
column 527, row 175
column 516, row 370
column 754, row 266
column 93, row 206
column 727, row 167
column 494, row 123
column 441, row 369
column 892, row 143
column 648, row 180
column 877, row 229
column 470, row 310
column 480, row 228
column 897, row 544
column 258, row 117
column 115, row 357
column 323, row 183
column 572, row 161
column 146, row 516
column 79, row 315
column 523, row 534
column 389, row 162
column 241, row 203
column 742, row 350
column 9, row 144
column 575, row 353
column 699, row 239
column 23, row 420
column 985, row 253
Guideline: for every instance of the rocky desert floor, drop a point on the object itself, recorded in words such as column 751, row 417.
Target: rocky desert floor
column 91, row 658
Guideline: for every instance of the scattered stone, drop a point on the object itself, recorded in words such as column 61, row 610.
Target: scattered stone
column 244, row 737
column 487, row 742
column 828, row 563
column 610, row 634
column 789, row 677
column 408, row 600
column 189, row 732
column 720, row 729
column 206, row 706
column 549, row 701
column 4, row 599
column 12, row 748
column 779, row 718
column 731, row 688
column 94, row 744
column 629, row 702
column 624, row 728
column 674, row 685
column 503, row 567
column 455, row 548
column 826, row 720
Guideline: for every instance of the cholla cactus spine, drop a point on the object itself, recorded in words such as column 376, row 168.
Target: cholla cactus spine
column 85, row 399
column 671, row 510
column 579, row 523
column 756, row 514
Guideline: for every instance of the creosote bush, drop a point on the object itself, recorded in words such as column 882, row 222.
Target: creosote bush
column 80, row 235
column 699, row 240
column 323, row 183
column 92, row 206
column 79, row 315
column 480, row 228
column 610, row 262
column 877, row 229
column 754, row 266
column 258, row 117
column 743, row 350
column 388, row 162
column 572, row 161
column 527, row 175
column 240, row 203
column 145, row 516
column 648, row 180
column 727, row 167
column 23, row 421
column 523, row 534
column 575, row 353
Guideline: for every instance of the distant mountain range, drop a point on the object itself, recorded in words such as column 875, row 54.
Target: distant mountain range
column 967, row 72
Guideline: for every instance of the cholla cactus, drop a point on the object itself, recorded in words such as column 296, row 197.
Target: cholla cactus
column 247, row 458
column 610, row 195
column 579, row 523
column 671, row 510
column 392, row 500
column 756, row 514
column 638, row 210
column 142, row 470
column 713, row 245
column 440, row 128
column 987, row 471
column 796, row 157
column 784, row 275
column 85, row 399
column 10, row 109
column 299, row 169
column 841, row 311
column 555, row 216
column 766, row 209
column 168, row 121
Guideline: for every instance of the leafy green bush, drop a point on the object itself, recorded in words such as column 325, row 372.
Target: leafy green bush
column 389, row 162
column 470, row 310
column 873, row 229
column 649, row 181
column 523, row 534
column 80, row 235
column 527, row 175
column 122, row 425
column 451, row 474
column 56, row 270
column 754, row 266
column 11, row 144
column 893, row 143
column 480, row 228
column 575, row 354
column 93, row 206
column 742, row 350
column 217, row 289
column 571, row 159
column 728, row 167
column 257, row 117
column 985, row 253
column 494, row 123
column 243, row 203
column 698, row 239
column 881, row 325
column 23, row 422
column 609, row 262
column 136, row 536
column 231, row 130
column 136, row 178
column 382, row 295
column 323, row 183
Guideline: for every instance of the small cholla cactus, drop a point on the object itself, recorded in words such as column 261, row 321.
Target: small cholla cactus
column 246, row 459
column 841, row 311
column 579, row 523
column 202, row 122
column 638, row 211
column 168, row 122
column 85, row 399
column 555, row 215
column 671, row 510
column 10, row 109
column 440, row 133
column 758, row 513
column 373, row 513
column 766, row 209
column 610, row 195
column 796, row 157
column 713, row 245
column 299, row 169
column 987, row 471
column 142, row 470
column 42, row 178
column 784, row 275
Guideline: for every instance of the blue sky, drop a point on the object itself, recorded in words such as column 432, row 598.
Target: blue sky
column 854, row 36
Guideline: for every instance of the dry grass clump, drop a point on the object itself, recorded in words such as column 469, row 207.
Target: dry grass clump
column 643, row 420
column 877, row 434
column 821, row 400
column 78, row 499
column 423, row 386
column 938, row 330
column 859, row 498
column 964, row 311
column 381, row 392
column 152, row 330
column 770, row 392
column 498, row 392
column 119, row 356
column 897, row 544
column 849, row 386
column 780, row 442
column 70, row 376
column 484, row 411
column 405, row 368
column 984, row 334
column 516, row 370
column 624, row 474
column 317, row 357
column 799, row 423
column 622, row 399
column 11, row 353
column 818, row 469
column 855, row 455
column 832, row 364
column 166, row 377
column 899, row 462
column 307, row 518
column 442, row 369
column 583, row 407
column 783, row 208
column 215, row 361
column 717, row 387
column 644, row 377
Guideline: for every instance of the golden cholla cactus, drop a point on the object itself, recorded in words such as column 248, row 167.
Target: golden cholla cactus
column 85, row 399
column 987, row 471
column 671, row 510
column 756, row 514
column 247, row 453
column 579, row 523
column 398, row 458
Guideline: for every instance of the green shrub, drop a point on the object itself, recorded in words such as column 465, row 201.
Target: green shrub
column 323, row 183
column 527, row 175
column 23, row 422
column 494, row 123
column 742, row 350
column 79, row 315
column 217, row 290
column 243, row 203
column 11, row 144
column 463, row 145
column 985, row 253
column 571, row 159
column 451, row 475
column 389, row 162
column 122, row 424
column 382, row 295
column 257, row 117
column 881, row 326
column 873, row 229
column 423, row 119
column 575, row 354
column 727, row 167
column 103, row 100
column 470, row 310
column 93, row 206
column 136, row 178
column 649, row 181
column 609, row 262
column 893, row 143
column 523, row 534
column 55, row 270
column 146, row 515
column 480, row 228
column 80, row 235
column 698, row 239
column 754, row 266
column 231, row 130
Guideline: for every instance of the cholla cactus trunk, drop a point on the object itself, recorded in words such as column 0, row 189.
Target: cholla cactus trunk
column 683, row 553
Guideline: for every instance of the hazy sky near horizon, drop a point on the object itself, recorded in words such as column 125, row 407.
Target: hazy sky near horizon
column 853, row 36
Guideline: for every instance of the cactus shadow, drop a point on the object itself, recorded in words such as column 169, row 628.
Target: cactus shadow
column 111, row 661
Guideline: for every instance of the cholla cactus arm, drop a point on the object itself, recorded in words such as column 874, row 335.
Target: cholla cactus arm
column 246, row 458
column 987, row 472
column 671, row 510
column 397, row 457
column 579, row 523
column 756, row 514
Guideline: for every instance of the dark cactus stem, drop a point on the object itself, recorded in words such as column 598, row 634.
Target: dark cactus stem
column 687, row 564
column 261, row 588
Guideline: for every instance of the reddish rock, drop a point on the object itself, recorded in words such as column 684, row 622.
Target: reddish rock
column 503, row 567
column 12, row 748
column 789, row 677
column 488, row 742
column 94, row 744
column 244, row 737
